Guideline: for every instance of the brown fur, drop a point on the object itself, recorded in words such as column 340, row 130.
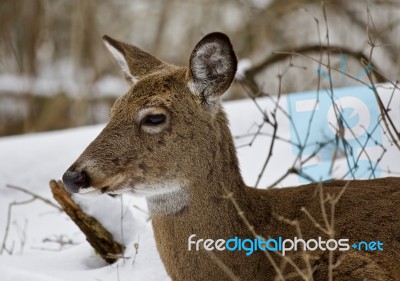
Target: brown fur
column 194, row 149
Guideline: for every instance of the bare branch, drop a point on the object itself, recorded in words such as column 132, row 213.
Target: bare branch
column 335, row 50
column 98, row 237
column 9, row 214
column 36, row 196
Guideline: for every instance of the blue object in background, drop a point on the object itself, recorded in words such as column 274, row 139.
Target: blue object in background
column 316, row 119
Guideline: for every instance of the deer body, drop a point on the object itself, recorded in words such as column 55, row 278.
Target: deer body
column 356, row 220
column 168, row 139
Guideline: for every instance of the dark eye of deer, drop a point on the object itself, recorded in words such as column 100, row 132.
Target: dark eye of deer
column 152, row 120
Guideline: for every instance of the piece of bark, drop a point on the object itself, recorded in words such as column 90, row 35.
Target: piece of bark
column 99, row 237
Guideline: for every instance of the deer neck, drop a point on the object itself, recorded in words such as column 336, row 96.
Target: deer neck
column 204, row 211
column 207, row 187
column 202, row 207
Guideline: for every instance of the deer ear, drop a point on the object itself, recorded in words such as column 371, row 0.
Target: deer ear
column 134, row 62
column 213, row 66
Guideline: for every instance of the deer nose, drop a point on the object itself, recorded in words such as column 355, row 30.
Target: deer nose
column 74, row 181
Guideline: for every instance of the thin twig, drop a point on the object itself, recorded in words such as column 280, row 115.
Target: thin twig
column 223, row 266
column 10, row 206
column 229, row 196
column 36, row 196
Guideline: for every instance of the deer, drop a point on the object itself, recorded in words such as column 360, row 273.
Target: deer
column 168, row 139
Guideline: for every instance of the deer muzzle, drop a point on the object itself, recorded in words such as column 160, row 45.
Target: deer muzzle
column 75, row 181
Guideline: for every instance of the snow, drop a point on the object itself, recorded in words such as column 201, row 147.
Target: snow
column 30, row 161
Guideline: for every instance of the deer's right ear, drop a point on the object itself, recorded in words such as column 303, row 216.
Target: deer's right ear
column 212, row 68
column 134, row 62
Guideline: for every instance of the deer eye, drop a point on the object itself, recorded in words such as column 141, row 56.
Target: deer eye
column 154, row 119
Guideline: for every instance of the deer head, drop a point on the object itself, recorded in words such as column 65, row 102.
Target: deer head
column 164, row 131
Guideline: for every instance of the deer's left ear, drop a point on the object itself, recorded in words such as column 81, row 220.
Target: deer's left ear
column 134, row 62
column 212, row 67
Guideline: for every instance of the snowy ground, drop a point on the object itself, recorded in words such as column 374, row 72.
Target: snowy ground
column 30, row 161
